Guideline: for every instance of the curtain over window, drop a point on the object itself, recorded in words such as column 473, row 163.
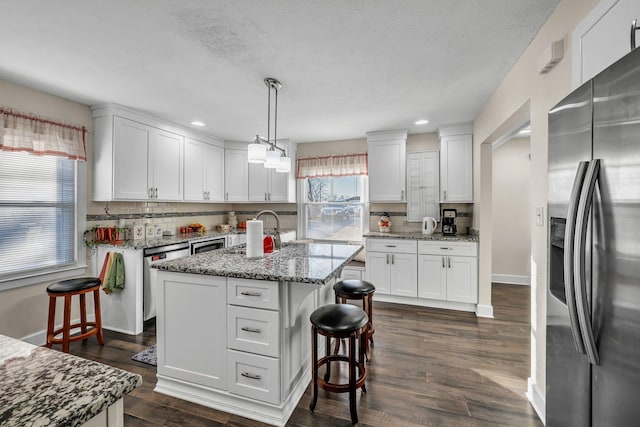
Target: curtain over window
column 332, row 166
column 24, row 132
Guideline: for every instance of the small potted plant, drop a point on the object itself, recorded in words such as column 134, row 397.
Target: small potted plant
column 384, row 223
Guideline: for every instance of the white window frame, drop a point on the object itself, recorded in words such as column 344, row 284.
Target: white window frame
column 302, row 210
column 79, row 267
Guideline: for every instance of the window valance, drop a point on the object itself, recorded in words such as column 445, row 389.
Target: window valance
column 25, row 132
column 341, row 165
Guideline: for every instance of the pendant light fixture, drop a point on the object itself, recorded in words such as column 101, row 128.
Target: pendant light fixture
column 263, row 150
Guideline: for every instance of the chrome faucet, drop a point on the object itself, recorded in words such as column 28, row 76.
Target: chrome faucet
column 277, row 243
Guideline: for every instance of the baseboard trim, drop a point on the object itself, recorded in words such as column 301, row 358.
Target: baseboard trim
column 39, row 338
column 511, row 279
column 483, row 310
column 536, row 398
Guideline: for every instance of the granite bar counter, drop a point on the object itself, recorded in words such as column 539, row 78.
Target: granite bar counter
column 420, row 236
column 315, row 263
column 233, row 333
column 44, row 387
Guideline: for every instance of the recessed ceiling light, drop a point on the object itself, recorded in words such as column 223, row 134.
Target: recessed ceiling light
column 197, row 123
column 422, row 122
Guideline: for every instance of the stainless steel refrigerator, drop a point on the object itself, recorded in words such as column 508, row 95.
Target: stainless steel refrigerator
column 593, row 295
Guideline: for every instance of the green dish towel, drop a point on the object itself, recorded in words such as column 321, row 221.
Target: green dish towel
column 115, row 277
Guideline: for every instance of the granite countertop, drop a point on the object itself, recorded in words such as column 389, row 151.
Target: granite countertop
column 44, row 387
column 178, row 238
column 315, row 263
column 420, row 236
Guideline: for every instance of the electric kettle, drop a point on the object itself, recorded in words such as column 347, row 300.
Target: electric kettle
column 429, row 225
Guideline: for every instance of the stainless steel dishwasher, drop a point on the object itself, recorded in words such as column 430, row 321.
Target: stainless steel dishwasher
column 153, row 256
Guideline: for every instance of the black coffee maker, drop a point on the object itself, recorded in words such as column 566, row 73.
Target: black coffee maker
column 449, row 222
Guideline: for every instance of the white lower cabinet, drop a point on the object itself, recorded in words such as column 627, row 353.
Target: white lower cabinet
column 448, row 271
column 254, row 376
column 433, row 278
column 392, row 266
column 437, row 273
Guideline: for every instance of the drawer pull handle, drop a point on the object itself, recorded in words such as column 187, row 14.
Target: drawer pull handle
column 390, row 246
column 252, row 330
column 446, row 249
column 251, row 294
column 251, row 376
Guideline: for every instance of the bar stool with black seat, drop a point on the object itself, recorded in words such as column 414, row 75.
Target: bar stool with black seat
column 68, row 288
column 339, row 321
column 354, row 289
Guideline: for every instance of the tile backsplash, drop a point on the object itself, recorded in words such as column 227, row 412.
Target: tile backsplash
column 399, row 223
column 172, row 216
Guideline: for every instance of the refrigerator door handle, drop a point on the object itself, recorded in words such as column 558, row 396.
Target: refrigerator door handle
column 580, row 242
column 570, row 232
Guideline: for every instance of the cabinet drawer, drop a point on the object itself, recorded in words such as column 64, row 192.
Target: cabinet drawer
column 392, row 245
column 253, row 293
column 253, row 330
column 443, row 247
column 253, row 376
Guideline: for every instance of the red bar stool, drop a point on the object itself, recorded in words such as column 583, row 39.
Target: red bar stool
column 68, row 288
column 354, row 289
column 339, row 321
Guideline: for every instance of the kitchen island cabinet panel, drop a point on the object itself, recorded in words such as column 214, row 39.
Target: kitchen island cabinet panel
column 193, row 346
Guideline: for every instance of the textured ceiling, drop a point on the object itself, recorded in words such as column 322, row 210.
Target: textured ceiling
column 347, row 67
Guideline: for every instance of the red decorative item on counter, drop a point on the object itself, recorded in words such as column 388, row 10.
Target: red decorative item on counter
column 267, row 244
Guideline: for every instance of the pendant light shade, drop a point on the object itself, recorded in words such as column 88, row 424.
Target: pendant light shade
column 273, row 159
column 285, row 165
column 257, row 153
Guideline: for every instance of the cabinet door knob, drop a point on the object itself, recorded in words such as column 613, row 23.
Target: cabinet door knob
column 449, row 259
column 393, row 259
column 445, row 194
column 442, row 262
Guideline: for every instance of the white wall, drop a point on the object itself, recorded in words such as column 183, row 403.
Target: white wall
column 524, row 90
column 511, row 212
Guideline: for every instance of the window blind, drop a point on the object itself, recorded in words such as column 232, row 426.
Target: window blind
column 37, row 212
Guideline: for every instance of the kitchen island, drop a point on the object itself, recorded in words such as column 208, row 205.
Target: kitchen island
column 234, row 334
column 44, row 387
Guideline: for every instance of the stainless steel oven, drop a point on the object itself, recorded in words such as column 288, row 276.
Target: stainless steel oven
column 206, row 245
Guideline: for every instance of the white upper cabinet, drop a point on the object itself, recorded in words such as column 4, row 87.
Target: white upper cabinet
column 203, row 172
column 236, row 175
column 140, row 157
column 165, row 175
column 456, row 164
column 135, row 161
column 423, row 185
column 387, row 158
column 214, row 173
column 602, row 38
column 267, row 185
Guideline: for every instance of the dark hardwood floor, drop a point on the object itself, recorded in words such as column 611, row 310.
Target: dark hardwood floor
column 429, row 367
